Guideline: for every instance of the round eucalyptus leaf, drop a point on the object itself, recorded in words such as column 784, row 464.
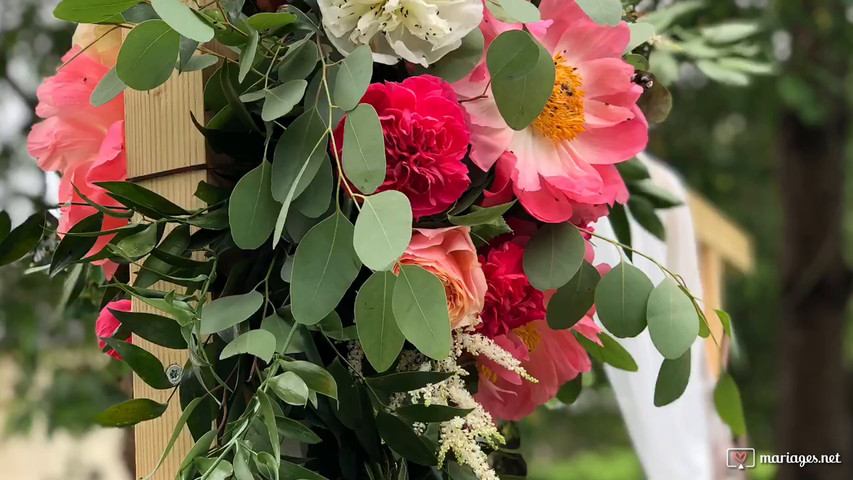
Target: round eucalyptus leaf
column 383, row 229
column 353, row 78
column 148, row 55
column 225, row 312
column 183, row 20
column 553, row 255
column 378, row 333
column 252, row 211
column 673, row 322
column 420, row 309
column 572, row 301
column 364, row 149
column 672, row 379
column 621, row 298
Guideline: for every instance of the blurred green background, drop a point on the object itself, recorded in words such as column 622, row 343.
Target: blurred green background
column 721, row 137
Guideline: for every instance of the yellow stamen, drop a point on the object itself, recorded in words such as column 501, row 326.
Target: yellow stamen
column 529, row 335
column 562, row 118
column 488, row 373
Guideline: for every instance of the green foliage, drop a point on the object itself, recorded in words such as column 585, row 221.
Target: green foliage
column 364, row 149
column 673, row 324
column 252, row 211
column 148, row 55
column 572, row 301
column 553, row 256
column 183, row 20
column 131, row 412
column 420, row 309
column 383, row 229
column 108, row 88
column 728, row 403
column 378, row 333
column 259, row 343
column 522, row 73
column 20, row 241
column 603, row 12
column 672, row 379
column 353, row 78
column 225, row 312
column 457, row 64
column 92, row 11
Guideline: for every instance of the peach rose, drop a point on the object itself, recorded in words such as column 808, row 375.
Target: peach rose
column 449, row 254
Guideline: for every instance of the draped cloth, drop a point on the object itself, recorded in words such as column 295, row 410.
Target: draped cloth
column 678, row 441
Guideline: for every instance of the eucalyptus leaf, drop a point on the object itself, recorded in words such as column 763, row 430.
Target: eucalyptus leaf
column 521, row 11
column 621, row 299
column 247, row 55
column 641, row 32
column 316, row 377
column 290, row 388
column 728, row 404
column 572, row 301
column 259, row 343
column 364, row 149
column 225, row 312
column 609, row 352
column 91, row 11
column 315, row 200
column 280, row 100
column 183, row 20
column 353, row 78
column 553, row 255
column 672, row 379
column 378, row 333
column 460, row 62
column 299, row 61
column 383, row 229
column 419, row 303
column 673, row 322
column 109, row 87
column 602, row 12
column 148, row 54
column 270, row 20
column 324, row 267
column 252, row 211
column 571, row 390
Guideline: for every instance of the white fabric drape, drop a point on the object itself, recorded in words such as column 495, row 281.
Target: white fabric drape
column 672, row 442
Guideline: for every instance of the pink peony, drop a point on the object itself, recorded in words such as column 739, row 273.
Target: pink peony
column 425, row 141
column 82, row 142
column 449, row 254
column 563, row 162
column 514, row 317
column 107, row 324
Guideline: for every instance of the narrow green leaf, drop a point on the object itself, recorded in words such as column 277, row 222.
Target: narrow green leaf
column 259, row 343
column 73, row 248
column 281, row 330
column 147, row 202
column 175, row 243
column 353, row 78
column 378, row 333
column 480, row 216
column 279, row 101
column 143, row 363
column 726, row 320
column 364, row 149
column 179, row 426
column 572, row 301
column 130, row 413
column 673, row 324
column 294, row 430
column 553, row 256
column 609, row 352
column 316, row 377
column 268, row 413
column 644, row 213
column 383, row 229
column 406, row 381
column 621, row 299
column 148, row 54
column 298, row 62
column 298, row 155
column 672, row 379
column 324, row 267
column 247, row 55
column 621, row 227
column 419, row 303
column 22, row 239
column 431, row 413
column 199, row 62
column 657, row 196
column 225, row 312
column 403, row 440
column 252, row 211
column 183, row 20
column 138, row 244
column 349, row 408
column 156, row 329
column 728, row 403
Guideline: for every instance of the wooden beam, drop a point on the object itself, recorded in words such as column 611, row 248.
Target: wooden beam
column 716, row 231
column 160, row 136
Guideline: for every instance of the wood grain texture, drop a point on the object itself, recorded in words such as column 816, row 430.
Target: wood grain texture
column 161, row 136
column 712, row 273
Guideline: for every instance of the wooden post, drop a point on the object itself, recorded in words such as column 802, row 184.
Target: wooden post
column 712, row 272
column 160, row 136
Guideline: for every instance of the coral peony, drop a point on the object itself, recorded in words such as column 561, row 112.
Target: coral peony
column 514, row 317
column 425, row 141
column 565, row 157
column 449, row 254
column 82, row 142
column 418, row 31
column 107, row 324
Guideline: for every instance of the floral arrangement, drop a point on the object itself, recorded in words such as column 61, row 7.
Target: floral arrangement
column 397, row 261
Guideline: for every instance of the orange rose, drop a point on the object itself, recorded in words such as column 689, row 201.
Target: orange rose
column 449, row 254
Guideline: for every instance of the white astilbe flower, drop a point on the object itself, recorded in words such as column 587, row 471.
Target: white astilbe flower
column 477, row 344
column 419, row 31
